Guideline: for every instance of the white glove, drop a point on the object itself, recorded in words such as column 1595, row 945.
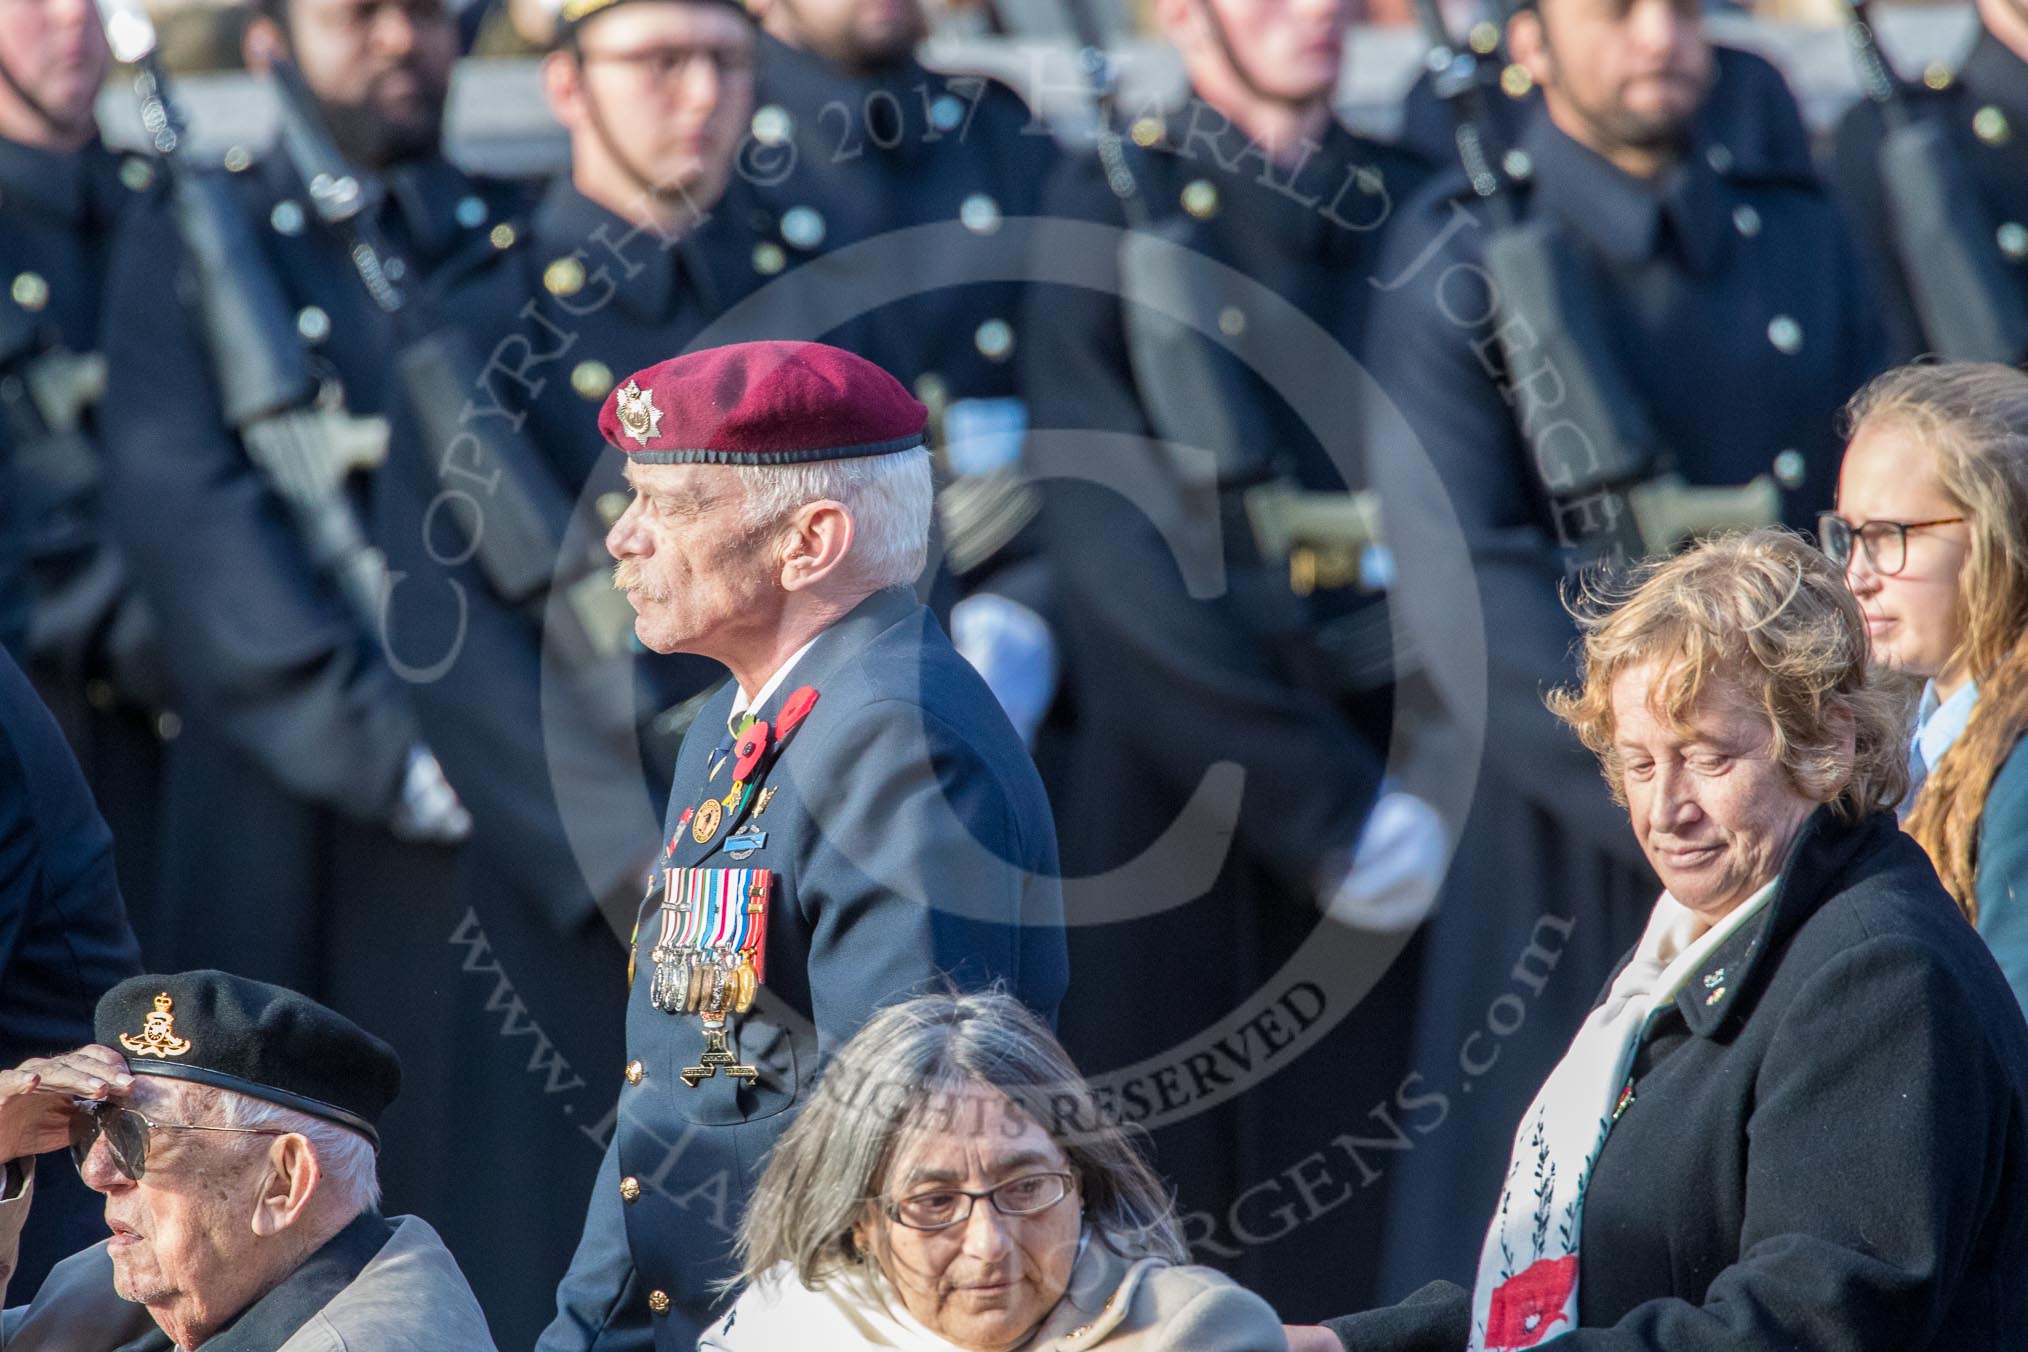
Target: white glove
column 1397, row 867
column 429, row 812
column 1011, row 646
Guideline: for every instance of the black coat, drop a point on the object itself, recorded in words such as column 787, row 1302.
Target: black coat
column 1735, row 309
column 1827, row 1144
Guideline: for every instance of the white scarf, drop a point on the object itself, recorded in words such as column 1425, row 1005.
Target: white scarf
column 1527, row 1285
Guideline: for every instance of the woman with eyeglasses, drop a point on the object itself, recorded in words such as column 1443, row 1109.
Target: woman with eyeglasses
column 1932, row 530
column 954, row 1185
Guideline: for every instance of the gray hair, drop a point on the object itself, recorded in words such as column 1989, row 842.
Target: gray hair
column 909, row 1061
column 889, row 497
column 350, row 1169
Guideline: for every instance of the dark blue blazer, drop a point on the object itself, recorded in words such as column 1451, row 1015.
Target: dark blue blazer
column 911, row 844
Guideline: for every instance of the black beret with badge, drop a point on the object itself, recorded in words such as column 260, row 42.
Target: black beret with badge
column 267, row 1042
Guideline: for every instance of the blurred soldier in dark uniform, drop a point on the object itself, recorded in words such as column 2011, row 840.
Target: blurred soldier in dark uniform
column 64, row 939
column 1286, row 671
column 853, row 137
column 1981, row 109
column 1721, row 307
column 309, row 837
column 624, row 259
column 90, row 644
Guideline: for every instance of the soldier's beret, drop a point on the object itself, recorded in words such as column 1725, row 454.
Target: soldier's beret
column 768, row 403
column 229, row 1032
column 575, row 12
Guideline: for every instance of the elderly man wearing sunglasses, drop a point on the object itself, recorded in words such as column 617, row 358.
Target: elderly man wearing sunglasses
column 231, row 1127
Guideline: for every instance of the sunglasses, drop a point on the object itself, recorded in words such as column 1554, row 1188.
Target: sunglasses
column 126, row 1134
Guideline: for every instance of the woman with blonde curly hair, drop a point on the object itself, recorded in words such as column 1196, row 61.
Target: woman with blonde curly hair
column 1799, row 1115
column 1932, row 530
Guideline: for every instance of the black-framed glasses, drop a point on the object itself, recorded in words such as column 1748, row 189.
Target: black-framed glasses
column 1885, row 542
column 664, row 65
column 126, row 1132
column 941, row 1208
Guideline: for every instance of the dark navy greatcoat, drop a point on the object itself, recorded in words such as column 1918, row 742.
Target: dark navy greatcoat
column 1167, row 684
column 910, row 844
column 277, row 858
column 1827, row 1143
column 89, row 641
column 1984, row 106
column 1737, row 312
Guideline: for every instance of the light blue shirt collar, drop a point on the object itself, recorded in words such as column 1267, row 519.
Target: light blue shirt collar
column 1939, row 722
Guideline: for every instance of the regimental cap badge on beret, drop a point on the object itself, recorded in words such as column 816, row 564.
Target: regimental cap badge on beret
column 575, row 12
column 763, row 403
column 158, row 1032
column 636, row 410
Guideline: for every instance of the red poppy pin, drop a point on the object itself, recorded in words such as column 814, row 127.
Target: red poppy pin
column 752, row 745
column 795, row 710
column 1529, row 1303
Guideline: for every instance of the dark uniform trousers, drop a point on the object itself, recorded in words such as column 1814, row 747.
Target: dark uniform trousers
column 1984, row 106
column 910, row 846
column 1738, row 313
column 277, row 861
column 1170, row 679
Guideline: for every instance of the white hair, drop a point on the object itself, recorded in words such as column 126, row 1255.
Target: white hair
column 889, row 498
column 345, row 1158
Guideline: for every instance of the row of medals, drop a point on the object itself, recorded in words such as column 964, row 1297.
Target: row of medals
column 711, row 981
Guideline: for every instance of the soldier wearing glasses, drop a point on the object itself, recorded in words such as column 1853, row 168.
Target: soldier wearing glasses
column 232, row 1128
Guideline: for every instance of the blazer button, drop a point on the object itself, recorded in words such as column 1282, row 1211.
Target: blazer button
column 636, row 1072
column 658, row 1301
column 630, row 1189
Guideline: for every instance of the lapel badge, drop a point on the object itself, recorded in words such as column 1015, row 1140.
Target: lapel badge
column 637, row 412
column 705, row 825
column 760, row 804
column 158, row 1033
column 742, row 844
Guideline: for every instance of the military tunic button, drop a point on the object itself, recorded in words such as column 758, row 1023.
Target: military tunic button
column 772, row 124
column 1515, row 81
column 99, row 693
column 1938, row 76
column 1146, row 131
column 1790, row 468
column 611, row 507
column 1200, row 198
column 995, row 339
column 980, row 214
column 564, row 276
column 1989, row 124
column 931, row 389
column 470, row 211
column 658, row 1301
column 636, row 1072
column 630, row 1189
column 1785, row 334
column 946, row 112
column 1484, row 38
column 237, row 159
column 1719, row 157
column 30, row 291
column 502, row 235
column 313, row 324
column 1518, row 165
column 2013, row 239
column 287, row 217
column 137, row 173
column 768, row 259
column 168, row 725
column 592, row 378
column 803, row 227
column 1746, row 220
column 1232, row 321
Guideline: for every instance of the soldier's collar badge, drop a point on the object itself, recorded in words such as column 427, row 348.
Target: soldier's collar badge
column 158, row 1033
column 637, row 412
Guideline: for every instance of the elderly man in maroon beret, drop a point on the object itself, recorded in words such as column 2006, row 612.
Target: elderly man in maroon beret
column 852, row 819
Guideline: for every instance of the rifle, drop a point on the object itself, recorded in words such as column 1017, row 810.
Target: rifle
column 1966, row 294
column 520, row 542
column 293, row 425
column 1598, row 439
